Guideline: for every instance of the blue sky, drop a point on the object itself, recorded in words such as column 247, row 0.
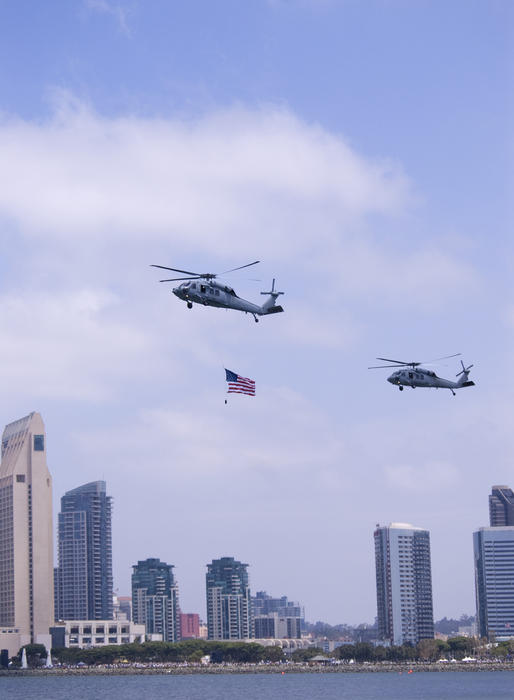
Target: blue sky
column 362, row 152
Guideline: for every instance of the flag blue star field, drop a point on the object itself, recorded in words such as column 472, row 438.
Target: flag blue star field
column 239, row 385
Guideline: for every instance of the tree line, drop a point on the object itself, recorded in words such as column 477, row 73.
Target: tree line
column 192, row 651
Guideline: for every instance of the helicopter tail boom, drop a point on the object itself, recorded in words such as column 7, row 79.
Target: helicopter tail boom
column 273, row 310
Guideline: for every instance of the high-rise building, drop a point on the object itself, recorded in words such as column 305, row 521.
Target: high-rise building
column 501, row 506
column 26, row 536
column 84, row 574
column 155, row 599
column 494, row 578
column 404, row 583
column 228, row 600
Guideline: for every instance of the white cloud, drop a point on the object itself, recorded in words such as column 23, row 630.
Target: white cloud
column 215, row 182
column 229, row 186
column 68, row 347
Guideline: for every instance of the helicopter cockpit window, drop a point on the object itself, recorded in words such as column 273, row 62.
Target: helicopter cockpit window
column 217, row 292
column 202, row 288
column 193, row 286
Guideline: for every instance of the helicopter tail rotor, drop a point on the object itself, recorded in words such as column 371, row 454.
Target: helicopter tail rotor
column 269, row 306
column 463, row 376
column 464, row 370
column 273, row 293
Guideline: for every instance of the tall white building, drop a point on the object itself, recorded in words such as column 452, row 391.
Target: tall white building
column 494, row 581
column 404, row 583
column 26, row 536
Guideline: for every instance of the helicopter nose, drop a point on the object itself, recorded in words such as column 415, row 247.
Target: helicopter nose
column 391, row 379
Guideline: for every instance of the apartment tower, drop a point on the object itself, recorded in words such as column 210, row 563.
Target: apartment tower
column 228, row 600
column 155, row 601
column 26, row 537
column 404, row 583
column 84, row 576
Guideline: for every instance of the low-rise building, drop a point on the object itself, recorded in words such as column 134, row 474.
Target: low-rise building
column 189, row 625
column 81, row 634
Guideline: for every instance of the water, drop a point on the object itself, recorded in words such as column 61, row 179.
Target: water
column 316, row 686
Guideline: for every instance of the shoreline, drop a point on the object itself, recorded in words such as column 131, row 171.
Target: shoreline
column 241, row 669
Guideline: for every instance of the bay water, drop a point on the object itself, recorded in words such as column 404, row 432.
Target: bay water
column 456, row 685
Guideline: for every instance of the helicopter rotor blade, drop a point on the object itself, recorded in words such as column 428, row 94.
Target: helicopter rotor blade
column 177, row 279
column 399, row 362
column 446, row 357
column 175, row 269
column 404, row 364
column 240, row 268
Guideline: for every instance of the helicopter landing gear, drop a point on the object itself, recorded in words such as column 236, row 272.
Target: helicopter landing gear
column 189, row 304
column 255, row 318
column 400, row 388
column 452, row 392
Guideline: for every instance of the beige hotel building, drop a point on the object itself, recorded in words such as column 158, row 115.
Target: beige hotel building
column 26, row 536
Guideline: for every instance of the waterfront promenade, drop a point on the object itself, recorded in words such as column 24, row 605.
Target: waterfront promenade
column 261, row 668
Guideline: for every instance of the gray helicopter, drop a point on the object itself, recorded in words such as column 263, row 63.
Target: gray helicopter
column 203, row 288
column 414, row 375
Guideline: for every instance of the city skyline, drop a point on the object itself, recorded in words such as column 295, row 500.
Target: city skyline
column 361, row 152
column 402, row 566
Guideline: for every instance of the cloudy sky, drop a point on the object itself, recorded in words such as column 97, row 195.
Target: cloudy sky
column 363, row 152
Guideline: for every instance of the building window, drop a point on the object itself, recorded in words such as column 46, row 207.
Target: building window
column 113, row 640
column 20, row 478
column 39, row 443
column 99, row 640
column 125, row 640
column 113, row 629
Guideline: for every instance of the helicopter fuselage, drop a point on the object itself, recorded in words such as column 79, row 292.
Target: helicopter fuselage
column 421, row 377
column 213, row 293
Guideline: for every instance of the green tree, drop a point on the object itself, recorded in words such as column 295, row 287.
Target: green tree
column 345, row 652
column 364, row 651
column 428, row 649
column 461, row 646
column 274, row 653
column 305, row 654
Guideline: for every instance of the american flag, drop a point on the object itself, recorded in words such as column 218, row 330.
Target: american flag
column 239, row 385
